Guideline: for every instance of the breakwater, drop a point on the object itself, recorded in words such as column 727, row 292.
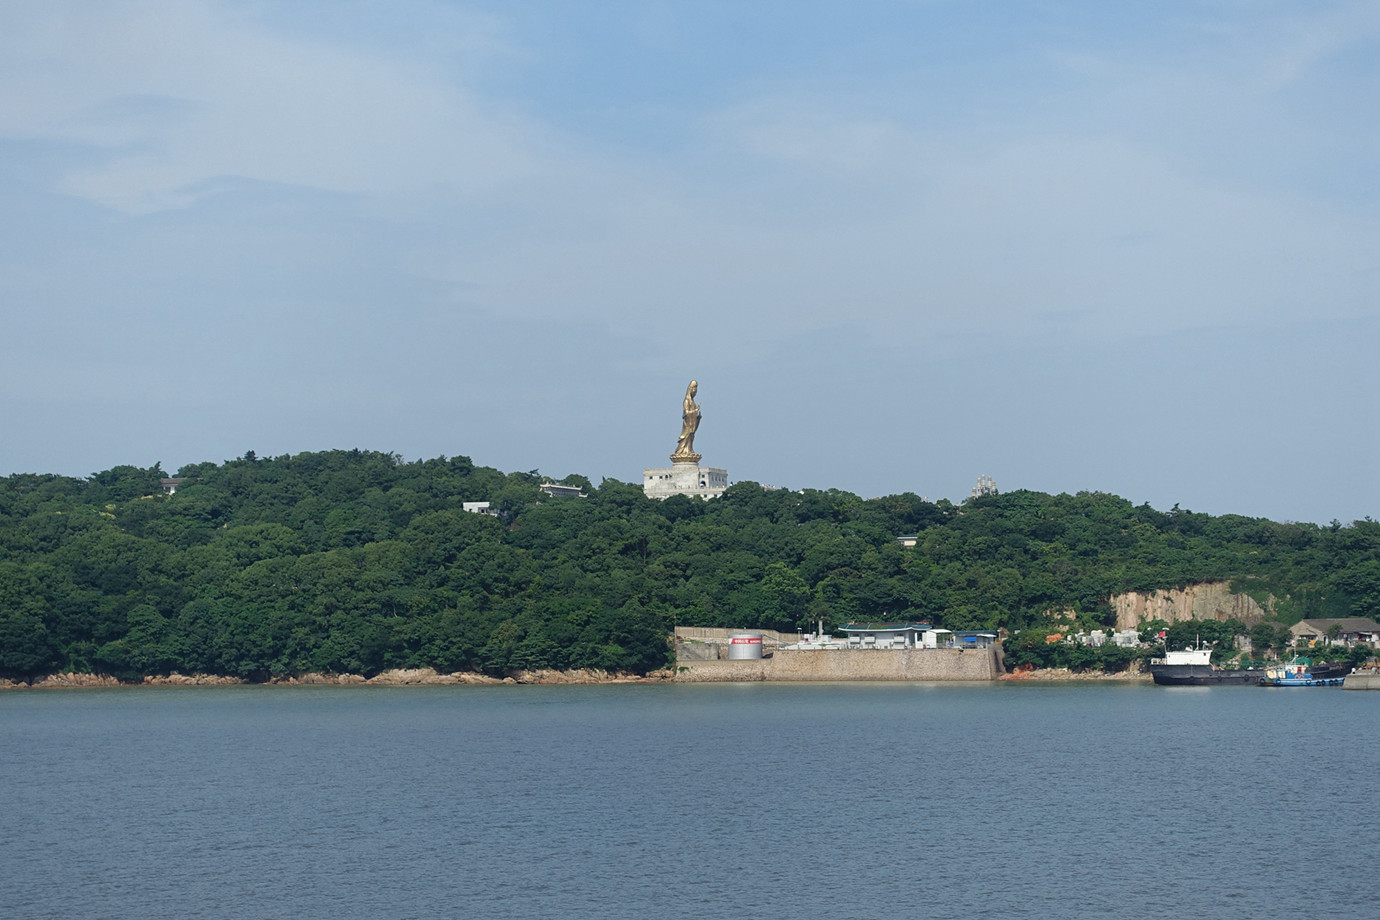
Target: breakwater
column 910, row 664
column 1363, row 680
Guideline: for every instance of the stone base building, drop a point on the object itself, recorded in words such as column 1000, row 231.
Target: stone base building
column 686, row 477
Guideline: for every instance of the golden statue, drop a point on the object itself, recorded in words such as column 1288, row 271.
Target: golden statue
column 689, row 421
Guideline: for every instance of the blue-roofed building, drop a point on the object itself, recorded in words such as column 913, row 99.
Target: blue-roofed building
column 967, row 638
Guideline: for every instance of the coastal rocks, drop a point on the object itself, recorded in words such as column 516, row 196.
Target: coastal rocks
column 312, row 677
column 1208, row 601
column 1064, row 674
column 192, row 680
column 423, row 676
column 69, row 679
column 399, row 677
column 585, row 676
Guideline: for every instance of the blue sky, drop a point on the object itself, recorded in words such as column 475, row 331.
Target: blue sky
column 1132, row 248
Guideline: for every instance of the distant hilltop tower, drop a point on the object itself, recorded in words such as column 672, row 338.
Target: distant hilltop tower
column 686, row 476
column 985, row 486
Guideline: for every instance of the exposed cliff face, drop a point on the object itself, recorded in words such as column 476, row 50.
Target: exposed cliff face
column 1209, row 601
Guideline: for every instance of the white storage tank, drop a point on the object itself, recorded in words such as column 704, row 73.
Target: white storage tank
column 744, row 645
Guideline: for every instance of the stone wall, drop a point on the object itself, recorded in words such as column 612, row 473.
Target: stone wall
column 1362, row 680
column 712, row 632
column 706, row 643
column 852, row 665
column 1210, row 601
column 701, row 651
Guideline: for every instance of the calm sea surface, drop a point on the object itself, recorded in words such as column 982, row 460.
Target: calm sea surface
column 696, row 801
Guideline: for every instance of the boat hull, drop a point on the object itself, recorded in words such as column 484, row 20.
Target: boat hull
column 1304, row 681
column 1329, row 669
column 1300, row 672
column 1201, row 675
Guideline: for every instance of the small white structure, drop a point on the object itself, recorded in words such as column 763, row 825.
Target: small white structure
column 985, row 486
column 556, row 490
column 479, row 508
column 936, row 638
column 1126, row 638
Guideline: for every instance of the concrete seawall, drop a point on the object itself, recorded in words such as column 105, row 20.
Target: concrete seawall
column 1362, row 680
column 852, row 664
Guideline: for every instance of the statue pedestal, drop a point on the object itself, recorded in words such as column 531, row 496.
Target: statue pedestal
column 686, row 477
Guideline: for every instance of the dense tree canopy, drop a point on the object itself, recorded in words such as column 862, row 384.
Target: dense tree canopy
column 358, row 561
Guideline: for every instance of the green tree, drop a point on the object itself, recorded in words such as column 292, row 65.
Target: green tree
column 26, row 650
column 1265, row 637
column 786, row 595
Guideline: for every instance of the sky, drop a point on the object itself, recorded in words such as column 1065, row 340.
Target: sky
column 1127, row 248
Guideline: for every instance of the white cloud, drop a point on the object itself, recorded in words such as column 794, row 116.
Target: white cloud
column 871, row 231
column 181, row 93
column 916, row 236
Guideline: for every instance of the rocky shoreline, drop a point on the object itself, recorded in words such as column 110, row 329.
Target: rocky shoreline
column 403, row 677
column 1064, row 674
column 413, row 677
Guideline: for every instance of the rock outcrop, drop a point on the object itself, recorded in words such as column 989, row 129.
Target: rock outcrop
column 1208, row 601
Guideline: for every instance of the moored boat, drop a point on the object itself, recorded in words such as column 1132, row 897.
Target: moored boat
column 1302, row 672
column 1193, row 667
column 1329, row 669
column 1303, row 680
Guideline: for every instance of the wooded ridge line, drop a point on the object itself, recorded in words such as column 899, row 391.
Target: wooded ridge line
column 357, row 562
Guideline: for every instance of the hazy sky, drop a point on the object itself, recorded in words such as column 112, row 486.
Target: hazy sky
column 1131, row 248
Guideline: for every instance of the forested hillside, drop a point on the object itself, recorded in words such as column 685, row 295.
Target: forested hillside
column 353, row 561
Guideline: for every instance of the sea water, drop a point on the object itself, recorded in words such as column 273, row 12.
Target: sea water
column 700, row 801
